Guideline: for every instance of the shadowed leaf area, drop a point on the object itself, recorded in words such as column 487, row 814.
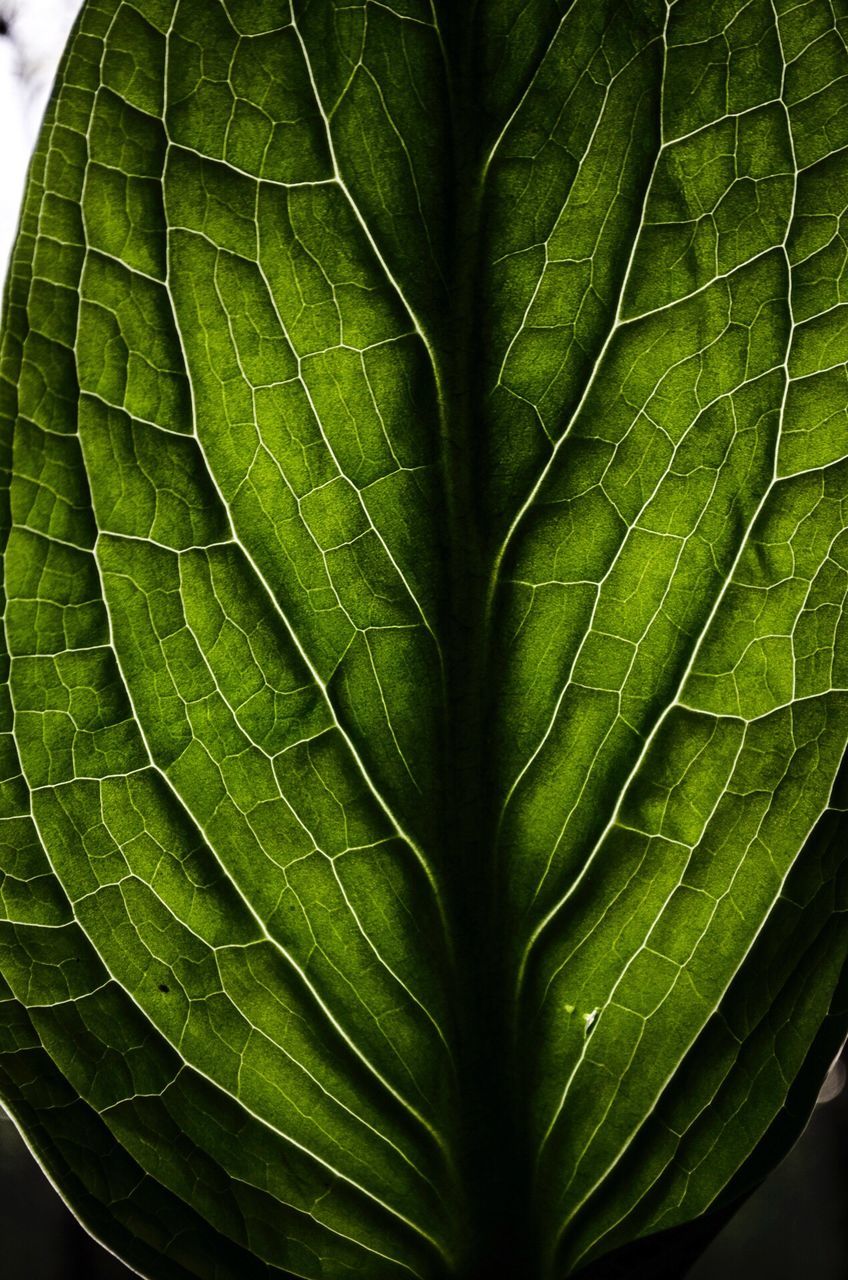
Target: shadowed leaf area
column 422, row 852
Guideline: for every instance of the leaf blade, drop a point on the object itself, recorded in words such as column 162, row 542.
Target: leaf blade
column 351, row 661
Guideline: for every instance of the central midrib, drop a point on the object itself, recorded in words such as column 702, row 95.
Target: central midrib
column 496, row 1233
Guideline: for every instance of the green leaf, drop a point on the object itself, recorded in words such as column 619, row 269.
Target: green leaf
column 422, row 849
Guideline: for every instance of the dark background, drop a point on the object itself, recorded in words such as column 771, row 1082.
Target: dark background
column 794, row 1228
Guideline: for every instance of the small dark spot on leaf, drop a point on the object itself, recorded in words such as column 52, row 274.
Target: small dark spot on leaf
column 164, row 988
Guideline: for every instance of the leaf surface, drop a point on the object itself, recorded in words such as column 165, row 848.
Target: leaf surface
column 425, row 567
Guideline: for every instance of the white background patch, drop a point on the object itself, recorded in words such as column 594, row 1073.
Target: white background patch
column 36, row 31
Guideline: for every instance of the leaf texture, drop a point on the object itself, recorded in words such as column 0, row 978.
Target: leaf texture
column 422, row 849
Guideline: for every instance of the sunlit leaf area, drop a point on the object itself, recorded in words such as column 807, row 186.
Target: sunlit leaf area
column 424, row 650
